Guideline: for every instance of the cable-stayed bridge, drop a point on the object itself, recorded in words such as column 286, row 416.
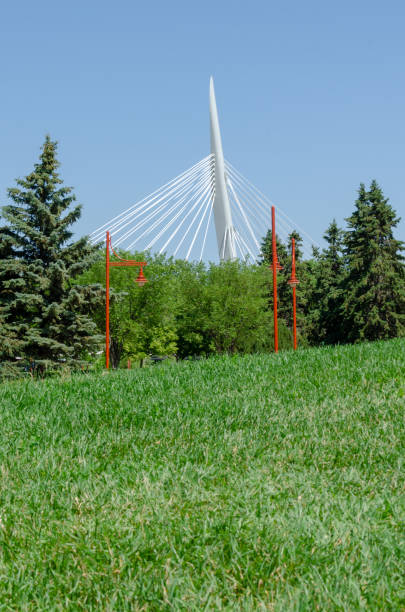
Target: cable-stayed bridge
column 177, row 218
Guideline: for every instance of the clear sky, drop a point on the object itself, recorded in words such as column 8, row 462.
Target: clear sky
column 311, row 97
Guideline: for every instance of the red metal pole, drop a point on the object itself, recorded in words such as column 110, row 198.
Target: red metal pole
column 274, row 251
column 295, row 318
column 294, row 296
column 107, row 301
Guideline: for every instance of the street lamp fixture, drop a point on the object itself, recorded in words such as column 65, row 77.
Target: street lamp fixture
column 140, row 279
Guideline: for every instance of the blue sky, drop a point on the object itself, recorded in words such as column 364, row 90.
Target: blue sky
column 311, row 98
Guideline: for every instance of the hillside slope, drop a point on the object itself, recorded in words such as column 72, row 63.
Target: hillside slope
column 257, row 482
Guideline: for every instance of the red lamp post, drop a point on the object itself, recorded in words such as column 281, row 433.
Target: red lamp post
column 293, row 282
column 276, row 266
column 141, row 280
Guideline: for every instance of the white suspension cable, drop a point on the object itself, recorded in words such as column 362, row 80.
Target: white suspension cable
column 258, row 195
column 224, row 242
column 193, row 193
column 208, row 224
column 184, row 218
column 263, row 209
column 185, row 191
column 193, row 220
column 255, row 211
column 246, row 247
column 238, row 245
column 221, row 252
column 239, row 223
column 271, row 204
column 252, row 214
column 243, row 253
column 243, row 213
column 210, row 200
column 160, row 220
column 135, row 214
column 284, row 229
column 170, row 223
column 190, row 195
column 165, row 186
column 117, row 227
column 281, row 231
column 265, row 212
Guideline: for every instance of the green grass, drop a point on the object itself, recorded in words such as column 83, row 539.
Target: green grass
column 249, row 483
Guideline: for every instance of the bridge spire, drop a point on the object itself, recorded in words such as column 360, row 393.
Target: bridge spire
column 222, row 210
column 177, row 217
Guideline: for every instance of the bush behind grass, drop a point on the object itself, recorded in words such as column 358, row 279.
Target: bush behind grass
column 256, row 482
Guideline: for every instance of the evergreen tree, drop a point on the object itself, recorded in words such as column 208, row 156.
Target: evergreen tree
column 285, row 309
column 45, row 317
column 284, row 289
column 374, row 288
column 10, row 344
column 327, row 293
column 266, row 250
column 266, row 259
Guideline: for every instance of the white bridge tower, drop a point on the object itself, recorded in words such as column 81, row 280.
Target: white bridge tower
column 176, row 219
column 221, row 206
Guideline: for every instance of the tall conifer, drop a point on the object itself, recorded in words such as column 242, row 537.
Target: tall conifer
column 374, row 288
column 44, row 315
column 327, row 294
column 284, row 289
column 266, row 255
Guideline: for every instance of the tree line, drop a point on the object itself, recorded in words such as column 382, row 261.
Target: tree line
column 52, row 287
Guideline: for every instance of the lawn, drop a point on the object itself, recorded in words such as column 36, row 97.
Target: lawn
column 238, row 483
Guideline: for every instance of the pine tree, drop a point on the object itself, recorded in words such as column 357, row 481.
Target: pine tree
column 304, row 274
column 44, row 315
column 374, row 289
column 327, row 294
column 10, row 344
column 284, row 289
column 266, row 253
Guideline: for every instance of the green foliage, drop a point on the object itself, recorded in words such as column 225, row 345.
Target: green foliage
column 355, row 288
column 163, row 341
column 374, row 287
column 266, row 253
column 52, row 303
column 283, row 275
column 238, row 319
column 43, row 316
column 193, row 311
column 188, row 309
column 233, row 483
column 326, row 297
column 284, row 292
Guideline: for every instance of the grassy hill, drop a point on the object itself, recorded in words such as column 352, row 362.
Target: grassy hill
column 249, row 483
